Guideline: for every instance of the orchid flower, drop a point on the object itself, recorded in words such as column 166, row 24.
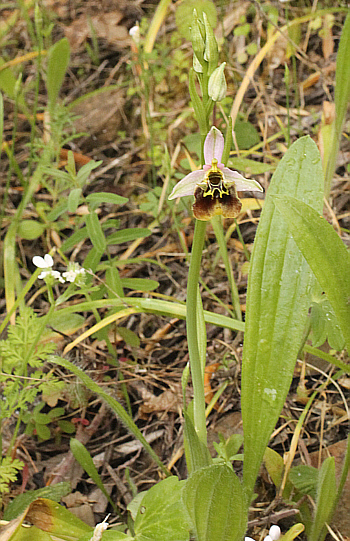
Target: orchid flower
column 214, row 186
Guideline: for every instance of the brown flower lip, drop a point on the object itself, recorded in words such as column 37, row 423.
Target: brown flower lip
column 216, row 199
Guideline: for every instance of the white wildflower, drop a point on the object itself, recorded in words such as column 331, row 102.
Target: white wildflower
column 45, row 263
column 275, row 532
column 134, row 33
column 73, row 271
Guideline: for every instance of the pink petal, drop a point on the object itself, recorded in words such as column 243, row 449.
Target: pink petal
column 187, row 185
column 242, row 184
column 213, row 146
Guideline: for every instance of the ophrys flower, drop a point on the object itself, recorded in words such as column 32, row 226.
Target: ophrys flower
column 214, row 186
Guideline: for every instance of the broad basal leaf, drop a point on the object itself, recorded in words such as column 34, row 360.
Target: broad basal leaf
column 325, row 253
column 278, row 300
column 214, row 499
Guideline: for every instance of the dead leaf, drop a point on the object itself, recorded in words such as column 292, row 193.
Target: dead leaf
column 99, row 115
column 104, row 25
column 327, row 36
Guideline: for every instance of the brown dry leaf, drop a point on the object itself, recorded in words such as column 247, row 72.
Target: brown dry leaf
column 169, row 400
column 277, row 54
column 105, row 25
column 159, row 334
column 327, row 36
column 99, row 115
column 344, row 382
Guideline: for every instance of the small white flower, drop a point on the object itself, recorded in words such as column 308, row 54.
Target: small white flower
column 134, row 33
column 275, row 532
column 43, row 262
column 46, row 262
column 57, row 276
column 74, row 270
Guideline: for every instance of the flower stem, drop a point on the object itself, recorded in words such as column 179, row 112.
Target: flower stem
column 192, row 331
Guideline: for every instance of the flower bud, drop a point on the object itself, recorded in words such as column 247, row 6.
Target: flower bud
column 275, row 532
column 134, row 33
column 197, row 39
column 197, row 66
column 217, row 86
column 211, row 53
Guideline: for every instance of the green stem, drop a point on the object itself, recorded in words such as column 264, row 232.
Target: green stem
column 220, row 237
column 192, row 336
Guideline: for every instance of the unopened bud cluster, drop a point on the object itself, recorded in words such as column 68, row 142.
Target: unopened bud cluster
column 206, row 56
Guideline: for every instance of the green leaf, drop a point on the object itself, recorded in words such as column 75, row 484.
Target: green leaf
column 21, row 502
column 56, row 519
column 155, row 306
column 128, row 336
column 139, row 284
column 161, row 515
column 197, row 453
column 305, row 479
column 67, row 427
column 325, row 498
column 197, row 104
column 85, row 171
column 105, row 197
column 278, row 300
column 126, row 235
column 63, row 323
column 249, row 167
column 114, row 282
column 342, row 75
column 95, row 232
column 74, row 199
column 56, row 69
column 43, row 431
column 93, row 258
column 325, row 252
column 324, row 325
column 215, row 502
column 246, row 135
column 23, row 533
column 73, row 240
column 30, row 229
column 82, row 455
column 274, row 465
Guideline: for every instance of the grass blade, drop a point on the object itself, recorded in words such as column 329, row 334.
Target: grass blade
column 114, row 405
column 341, row 100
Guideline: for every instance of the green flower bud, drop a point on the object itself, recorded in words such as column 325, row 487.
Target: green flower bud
column 198, row 44
column 217, row 86
column 197, row 66
column 211, row 52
